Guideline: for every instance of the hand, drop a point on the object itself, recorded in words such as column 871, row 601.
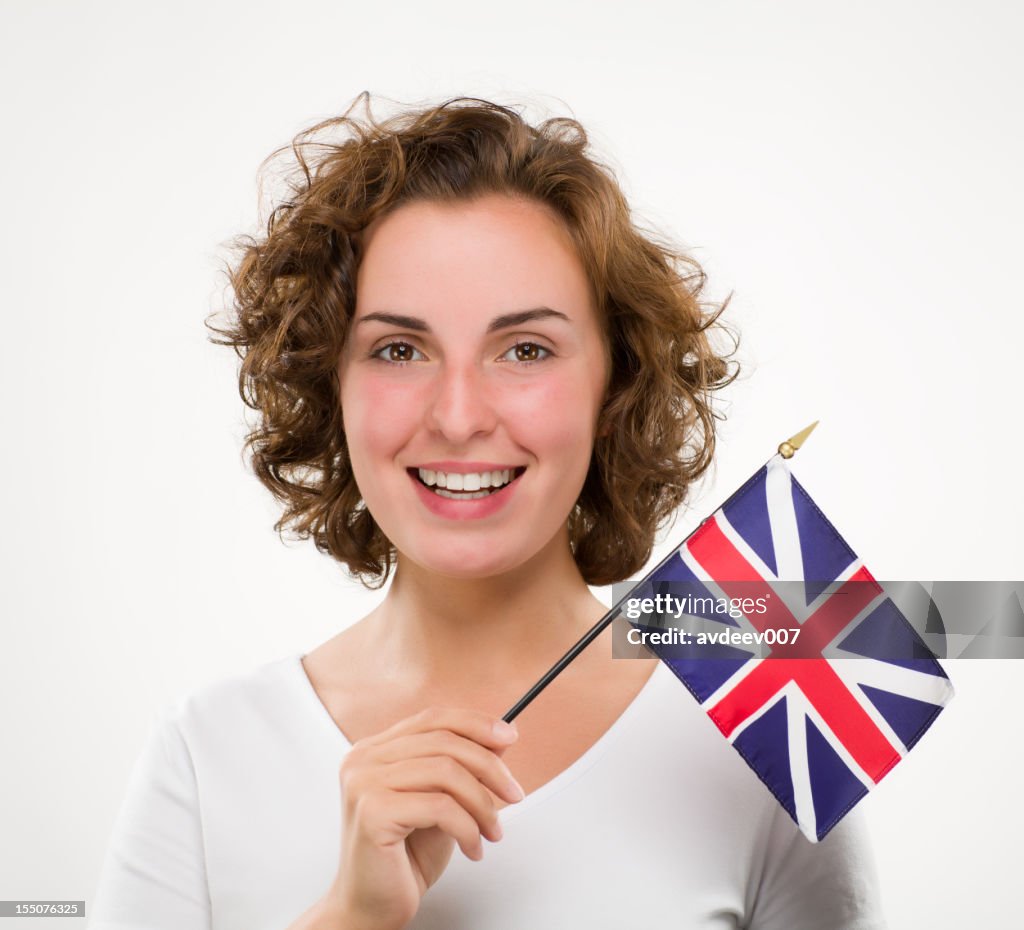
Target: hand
column 409, row 794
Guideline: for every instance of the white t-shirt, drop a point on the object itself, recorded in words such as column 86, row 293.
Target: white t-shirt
column 232, row 822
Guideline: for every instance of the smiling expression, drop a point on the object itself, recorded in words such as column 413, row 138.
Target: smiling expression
column 471, row 382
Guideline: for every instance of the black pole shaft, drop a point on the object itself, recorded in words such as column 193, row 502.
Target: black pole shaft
column 587, row 638
column 552, row 673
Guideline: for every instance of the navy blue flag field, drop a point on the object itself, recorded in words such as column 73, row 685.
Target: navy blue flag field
column 793, row 649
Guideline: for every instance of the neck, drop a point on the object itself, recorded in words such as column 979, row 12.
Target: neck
column 465, row 634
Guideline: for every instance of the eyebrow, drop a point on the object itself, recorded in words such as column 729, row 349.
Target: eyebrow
column 499, row 322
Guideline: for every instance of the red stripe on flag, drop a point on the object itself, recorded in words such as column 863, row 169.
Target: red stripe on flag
column 839, row 608
column 734, row 574
column 847, row 718
column 803, row 663
column 826, row 691
column 750, row 694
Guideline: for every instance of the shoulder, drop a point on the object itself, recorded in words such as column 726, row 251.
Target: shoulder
column 254, row 690
column 243, row 715
column 832, row 883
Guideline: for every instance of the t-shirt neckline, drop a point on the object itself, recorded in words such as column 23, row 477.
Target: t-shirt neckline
column 553, row 785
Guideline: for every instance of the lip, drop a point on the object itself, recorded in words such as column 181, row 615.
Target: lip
column 469, row 509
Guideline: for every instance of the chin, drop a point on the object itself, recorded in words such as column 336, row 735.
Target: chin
column 470, row 568
column 467, row 562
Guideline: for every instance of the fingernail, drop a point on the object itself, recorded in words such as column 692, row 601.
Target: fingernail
column 505, row 731
column 516, row 790
column 498, row 831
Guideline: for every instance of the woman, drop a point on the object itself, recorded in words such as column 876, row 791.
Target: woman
column 472, row 369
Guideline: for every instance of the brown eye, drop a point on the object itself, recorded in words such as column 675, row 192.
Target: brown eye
column 527, row 352
column 397, row 352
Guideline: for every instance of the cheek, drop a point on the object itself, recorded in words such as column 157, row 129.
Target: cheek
column 556, row 417
column 379, row 416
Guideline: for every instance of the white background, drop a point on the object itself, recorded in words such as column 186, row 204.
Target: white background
column 850, row 171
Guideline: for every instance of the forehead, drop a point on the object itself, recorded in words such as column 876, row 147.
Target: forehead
column 492, row 254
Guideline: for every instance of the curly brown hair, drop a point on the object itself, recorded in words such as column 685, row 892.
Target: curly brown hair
column 294, row 298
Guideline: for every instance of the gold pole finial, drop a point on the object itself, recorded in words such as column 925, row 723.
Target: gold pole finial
column 788, row 448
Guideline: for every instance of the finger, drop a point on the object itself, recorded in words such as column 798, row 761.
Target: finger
column 481, row 762
column 393, row 815
column 443, row 773
column 480, row 727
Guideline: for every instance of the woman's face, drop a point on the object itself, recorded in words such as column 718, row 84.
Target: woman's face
column 471, row 382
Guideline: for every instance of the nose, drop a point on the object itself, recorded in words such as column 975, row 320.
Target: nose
column 460, row 406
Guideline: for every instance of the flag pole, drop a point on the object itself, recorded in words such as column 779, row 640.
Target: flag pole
column 787, row 450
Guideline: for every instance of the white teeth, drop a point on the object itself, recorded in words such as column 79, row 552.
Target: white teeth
column 471, row 485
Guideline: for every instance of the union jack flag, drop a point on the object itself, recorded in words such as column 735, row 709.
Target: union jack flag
column 824, row 716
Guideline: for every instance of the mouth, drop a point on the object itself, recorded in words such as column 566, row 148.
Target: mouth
column 466, row 486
